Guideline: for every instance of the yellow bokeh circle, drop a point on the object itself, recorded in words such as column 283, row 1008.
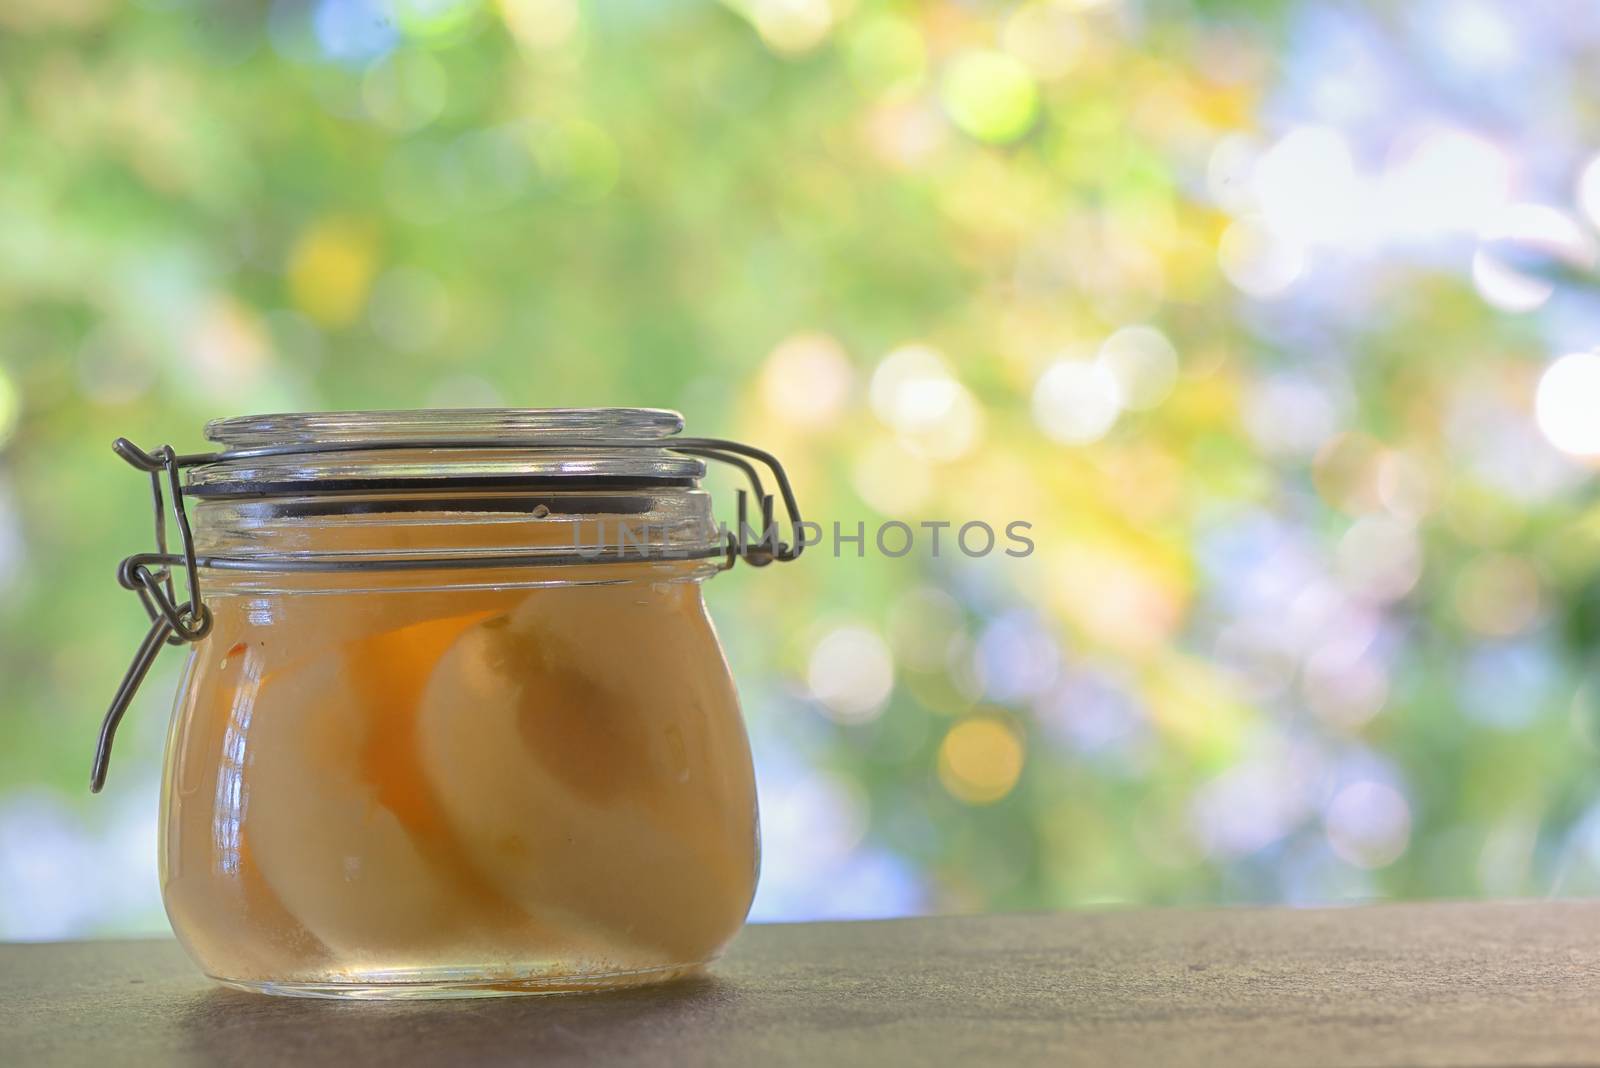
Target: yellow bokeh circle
column 980, row 760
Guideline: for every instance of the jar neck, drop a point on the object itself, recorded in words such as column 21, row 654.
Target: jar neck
column 355, row 541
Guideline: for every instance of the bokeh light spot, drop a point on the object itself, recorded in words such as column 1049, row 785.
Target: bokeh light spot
column 1144, row 364
column 10, row 408
column 353, row 30
column 1015, row 658
column 1567, row 404
column 905, row 133
column 1076, row 401
column 1251, row 805
column 1290, row 414
column 991, row 96
column 807, row 380
column 1527, row 232
column 228, row 351
column 1380, row 559
column 1368, row 824
column 540, row 25
column 13, row 546
column 1345, row 690
column 792, row 26
column 1505, row 288
column 1307, row 187
column 980, row 760
column 330, row 270
column 1259, row 261
column 914, row 392
column 1228, row 171
column 1048, row 36
column 851, row 674
column 1405, row 486
column 1589, row 191
column 1449, row 181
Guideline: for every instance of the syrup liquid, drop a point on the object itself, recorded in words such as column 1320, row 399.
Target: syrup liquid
column 485, row 788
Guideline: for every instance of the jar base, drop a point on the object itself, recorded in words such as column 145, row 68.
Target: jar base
column 424, row 988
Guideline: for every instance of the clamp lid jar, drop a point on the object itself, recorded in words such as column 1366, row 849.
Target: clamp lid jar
column 455, row 720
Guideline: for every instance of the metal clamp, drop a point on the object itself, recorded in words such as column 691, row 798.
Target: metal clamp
column 151, row 575
column 170, row 623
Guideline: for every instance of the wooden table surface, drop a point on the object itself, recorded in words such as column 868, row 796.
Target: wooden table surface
column 1456, row 984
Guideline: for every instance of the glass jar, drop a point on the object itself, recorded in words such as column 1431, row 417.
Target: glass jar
column 455, row 720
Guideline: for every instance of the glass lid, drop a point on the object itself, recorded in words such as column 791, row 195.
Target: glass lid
column 311, row 452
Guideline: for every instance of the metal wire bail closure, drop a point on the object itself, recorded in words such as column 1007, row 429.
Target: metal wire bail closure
column 151, row 575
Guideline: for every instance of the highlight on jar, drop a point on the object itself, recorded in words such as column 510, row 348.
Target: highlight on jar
column 423, row 747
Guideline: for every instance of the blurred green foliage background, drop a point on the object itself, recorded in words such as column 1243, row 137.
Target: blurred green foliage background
column 1270, row 317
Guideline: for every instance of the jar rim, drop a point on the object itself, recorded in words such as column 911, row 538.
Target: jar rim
column 298, row 452
column 440, row 424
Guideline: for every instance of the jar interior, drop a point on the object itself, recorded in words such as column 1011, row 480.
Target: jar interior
column 472, row 779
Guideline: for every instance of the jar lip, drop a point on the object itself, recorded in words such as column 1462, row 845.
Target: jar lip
column 293, row 452
column 441, row 424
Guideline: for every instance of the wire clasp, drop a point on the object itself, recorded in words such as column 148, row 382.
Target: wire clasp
column 150, row 576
